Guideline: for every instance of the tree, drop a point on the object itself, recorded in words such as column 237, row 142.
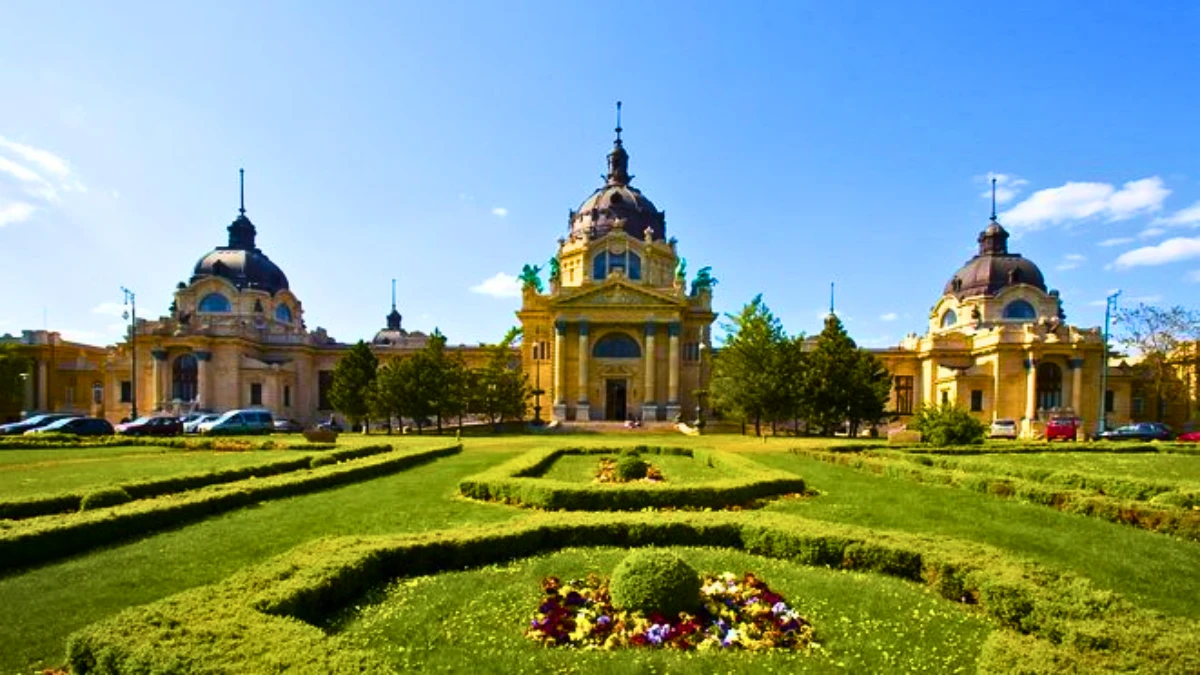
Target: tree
column 12, row 387
column 352, row 384
column 386, row 397
column 747, row 379
column 499, row 390
column 1159, row 335
column 947, row 424
column 843, row 384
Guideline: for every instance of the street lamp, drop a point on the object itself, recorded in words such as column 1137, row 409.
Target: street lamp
column 700, row 392
column 1110, row 306
column 537, row 368
column 131, row 314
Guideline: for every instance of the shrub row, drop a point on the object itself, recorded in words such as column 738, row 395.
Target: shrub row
column 1163, row 514
column 1020, row 447
column 515, row 482
column 37, row 540
column 255, row 620
column 66, row 441
column 42, row 505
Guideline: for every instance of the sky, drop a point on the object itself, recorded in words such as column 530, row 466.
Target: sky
column 791, row 144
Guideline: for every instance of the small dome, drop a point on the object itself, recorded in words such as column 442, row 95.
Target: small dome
column 994, row 268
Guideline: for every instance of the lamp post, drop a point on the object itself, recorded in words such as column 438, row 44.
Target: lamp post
column 1110, row 306
column 700, row 392
column 131, row 314
column 537, row 368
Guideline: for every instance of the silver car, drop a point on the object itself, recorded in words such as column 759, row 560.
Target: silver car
column 1004, row 429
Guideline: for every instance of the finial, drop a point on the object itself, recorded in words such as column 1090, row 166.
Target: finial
column 993, row 198
column 618, row 121
column 393, row 295
column 831, row 297
column 242, row 187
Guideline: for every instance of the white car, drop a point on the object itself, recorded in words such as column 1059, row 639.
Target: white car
column 1004, row 429
column 193, row 426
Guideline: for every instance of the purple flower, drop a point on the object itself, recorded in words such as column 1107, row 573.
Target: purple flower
column 603, row 620
column 657, row 633
column 779, row 608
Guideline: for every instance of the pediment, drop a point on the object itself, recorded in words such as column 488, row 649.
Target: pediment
column 618, row 294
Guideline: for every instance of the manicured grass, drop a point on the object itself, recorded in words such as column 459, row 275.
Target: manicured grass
column 1168, row 468
column 863, row 622
column 1149, row 568
column 675, row 468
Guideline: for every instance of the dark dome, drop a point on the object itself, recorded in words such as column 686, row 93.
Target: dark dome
column 241, row 262
column 994, row 268
column 610, row 205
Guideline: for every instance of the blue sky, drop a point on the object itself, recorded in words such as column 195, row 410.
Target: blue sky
column 791, row 144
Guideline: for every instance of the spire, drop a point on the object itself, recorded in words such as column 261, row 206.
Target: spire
column 393, row 319
column 618, row 159
column 993, row 199
column 393, row 295
column 831, row 297
column 241, row 230
column 242, row 190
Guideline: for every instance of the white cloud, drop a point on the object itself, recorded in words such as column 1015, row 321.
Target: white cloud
column 1070, row 261
column 15, row 212
column 1189, row 216
column 109, row 309
column 47, row 161
column 1151, row 232
column 1169, row 251
column 499, row 212
column 1007, row 186
column 79, row 335
column 890, row 316
column 1117, row 241
column 499, row 286
column 1081, row 201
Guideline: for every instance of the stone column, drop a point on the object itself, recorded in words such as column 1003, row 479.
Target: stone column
column 1030, row 395
column 996, row 388
column 1076, row 366
column 160, row 357
column 43, row 396
column 28, row 403
column 930, row 377
column 649, row 401
column 560, row 400
column 582, row 412
column 673, row 370
column 202, row 359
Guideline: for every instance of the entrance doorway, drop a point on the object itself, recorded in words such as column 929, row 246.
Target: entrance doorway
column 614, row 400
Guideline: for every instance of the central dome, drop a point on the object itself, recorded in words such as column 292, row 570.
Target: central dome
column 241, row 262
column 617, row 205
column 994, row 268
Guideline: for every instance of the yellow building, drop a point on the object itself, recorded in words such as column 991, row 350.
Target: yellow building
column 62, row 376
column 617, row 336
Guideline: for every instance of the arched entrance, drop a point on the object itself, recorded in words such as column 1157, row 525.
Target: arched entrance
column 1049, row 386
column 616, row 389
column 183, row 379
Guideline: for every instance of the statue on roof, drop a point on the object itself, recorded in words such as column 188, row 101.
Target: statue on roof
column 531, row 278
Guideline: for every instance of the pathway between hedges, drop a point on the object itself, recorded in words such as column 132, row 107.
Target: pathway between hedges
column 44, row 605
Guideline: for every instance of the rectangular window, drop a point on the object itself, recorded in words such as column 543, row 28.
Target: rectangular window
column 1110, row 401
column 287, row 396
column 256, row 394
column 904, row 394
column 976, row 400
column 126, row 391
column 97, row 393
column 945, row 397
column 324, row 386
column 1137, row 406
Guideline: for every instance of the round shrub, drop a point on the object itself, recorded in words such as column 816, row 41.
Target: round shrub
column 631, row 467
column 98, row 499
column 655, row 581
column 948, row 424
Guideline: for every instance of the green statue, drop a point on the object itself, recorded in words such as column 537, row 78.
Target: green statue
column 704, row 281
column 555, row 271
column 531, row 278
column 681, row 270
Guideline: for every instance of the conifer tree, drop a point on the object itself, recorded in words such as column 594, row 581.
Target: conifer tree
column 352, row 383
column 747, row 376
column 843, row 384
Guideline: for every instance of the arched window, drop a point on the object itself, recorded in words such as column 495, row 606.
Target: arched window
column 1049, row 386
column 283, row 313
column 215, row 302
column 617, row 346
column 635, row 266
column 1020, row 309
column 183, row 379
column 949, row 318
column 97, row 393
column 600, row 266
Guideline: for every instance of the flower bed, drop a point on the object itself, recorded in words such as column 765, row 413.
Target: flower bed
column 736, row 613
column 607, row 473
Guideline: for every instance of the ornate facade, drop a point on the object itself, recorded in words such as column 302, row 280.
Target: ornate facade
column 618, row 336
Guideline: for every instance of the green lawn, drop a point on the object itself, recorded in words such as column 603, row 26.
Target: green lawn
column 44, row 605
column 675, row 468
column 863, row 622
column 1168, row 468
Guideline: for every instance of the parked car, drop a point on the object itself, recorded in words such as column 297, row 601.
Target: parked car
column 1141, row 431
column 35, row 422
column 1190, row 437
column 1003, row 429
column 239, row 422
column 284, row 425
column 1062, row 429
column 152, row 425
column 79, row 426
column 193, row 426
column 329, row 425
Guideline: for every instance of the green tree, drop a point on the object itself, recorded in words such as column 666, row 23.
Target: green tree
column 500, row 389
column 353, row 378
column 386, row 398
column 1159, row 336
column 843, row 384
column 747, row 381
column 12, row 386
column 947, row 424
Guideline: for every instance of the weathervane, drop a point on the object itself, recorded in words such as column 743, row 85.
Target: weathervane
column 993, row 197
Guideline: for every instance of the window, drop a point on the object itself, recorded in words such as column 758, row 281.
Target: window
column 184, row 378
column 945, row 397
column 283, row 313
column 287, row 396
column 1110, row 401
column 215, row 302
column 1020, row 310
column 70, row 395
column 540, row 351
column 324, row 386
column 617, row 346
column 600, row 266
column 126, row 391
column 904, row 394
column 256, row 394
column 97, row 393
column 949, row 318
column 635, row 266
column 605, row 262
column 976, row 400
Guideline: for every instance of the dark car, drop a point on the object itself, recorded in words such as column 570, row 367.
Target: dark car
column 158, row 425
column 284, row 425
column 1141, row 431
column 78, row 426
column 35, row 422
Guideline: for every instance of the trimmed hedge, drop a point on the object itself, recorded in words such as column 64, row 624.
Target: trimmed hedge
column 104, row 497
column 1019, row 447
column 517, row 482
column 1171, row 513
column 37, row 540
column 255, row 620
column 44, row 505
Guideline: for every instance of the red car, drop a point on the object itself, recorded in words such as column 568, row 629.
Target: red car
column 1190, row 437
column 1062, row 429
column 159, row 425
